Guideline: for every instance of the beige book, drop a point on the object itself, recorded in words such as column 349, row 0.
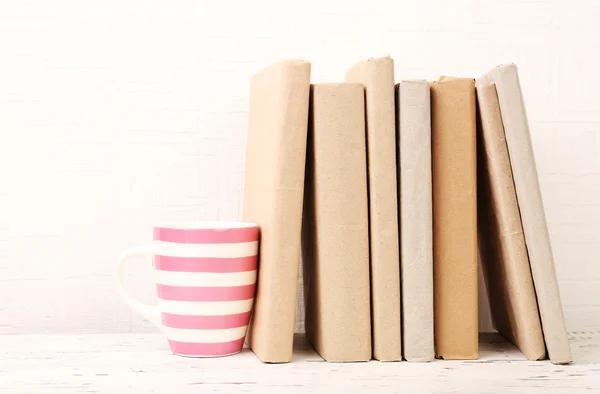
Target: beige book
column 415, row 211
column 335, row 227
column 377, row 76
column 501, row 241
column 453, row 130
column 273, row 194
column 531, row 208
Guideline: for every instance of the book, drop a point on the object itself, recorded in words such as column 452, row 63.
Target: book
column 377, row 76
column 273, row 198
column 502, row 247
column 416, row 215
column 531, row 208
column 453, row 124
column 335, row 227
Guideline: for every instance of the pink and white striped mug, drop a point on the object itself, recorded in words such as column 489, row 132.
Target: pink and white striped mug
column 205, row 276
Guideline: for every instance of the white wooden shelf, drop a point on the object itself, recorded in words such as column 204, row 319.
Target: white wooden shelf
column 143, row 364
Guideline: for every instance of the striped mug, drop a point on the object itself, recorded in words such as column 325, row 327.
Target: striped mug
column 205, row 275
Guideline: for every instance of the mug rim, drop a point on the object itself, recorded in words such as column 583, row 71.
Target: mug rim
column 205, row 225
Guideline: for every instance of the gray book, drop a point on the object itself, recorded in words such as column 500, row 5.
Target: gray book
column 415, row 213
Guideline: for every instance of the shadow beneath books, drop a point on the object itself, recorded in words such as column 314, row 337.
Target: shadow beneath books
column 492, row 348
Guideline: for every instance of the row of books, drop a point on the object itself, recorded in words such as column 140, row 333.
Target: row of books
column 388, row 193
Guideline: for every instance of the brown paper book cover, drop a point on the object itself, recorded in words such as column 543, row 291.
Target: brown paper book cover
column 273, row 194
column 531, row 208
column 335, row 227
column 453, row 137
column 377, row 76
column 502, row 247
column 415, row 212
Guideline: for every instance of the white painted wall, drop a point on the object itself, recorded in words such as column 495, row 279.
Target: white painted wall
column 117, row 114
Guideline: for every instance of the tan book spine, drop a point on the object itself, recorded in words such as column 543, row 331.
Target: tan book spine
column 531, row 208
column 453, row 130
column 335, row 228
column 273, row 195
column 377, row 76
column 501, row 241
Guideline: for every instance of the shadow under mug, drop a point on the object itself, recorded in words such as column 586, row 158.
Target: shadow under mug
column 205, row 275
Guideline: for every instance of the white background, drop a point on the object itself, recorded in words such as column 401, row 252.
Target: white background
column 115, row 115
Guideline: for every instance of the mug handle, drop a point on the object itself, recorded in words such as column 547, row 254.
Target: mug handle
column 150, row 312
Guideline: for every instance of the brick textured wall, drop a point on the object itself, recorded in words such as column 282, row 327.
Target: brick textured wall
column 117, row 114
